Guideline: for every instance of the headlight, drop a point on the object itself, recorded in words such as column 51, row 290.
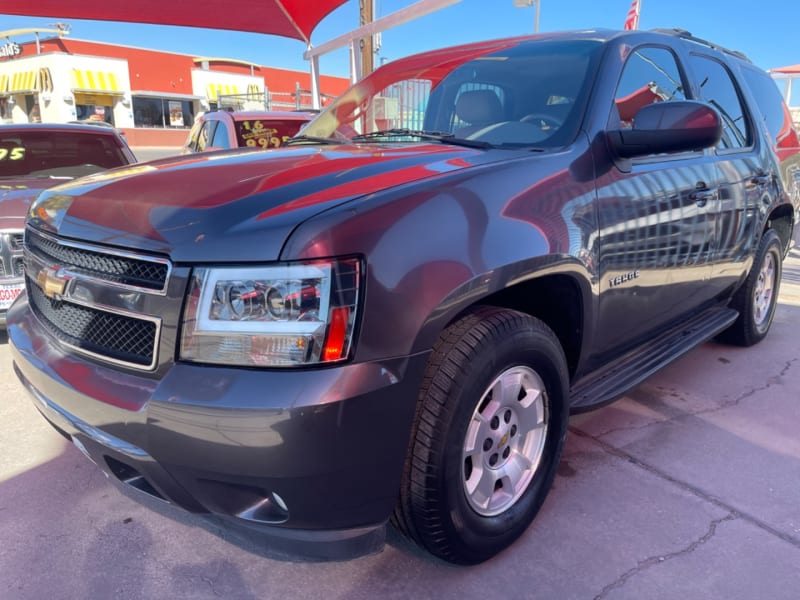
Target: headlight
column 282, row 315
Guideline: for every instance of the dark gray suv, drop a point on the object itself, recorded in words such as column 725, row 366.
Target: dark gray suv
column 392, row 316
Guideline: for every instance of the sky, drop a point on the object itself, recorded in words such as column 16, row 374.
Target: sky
column 768, row 31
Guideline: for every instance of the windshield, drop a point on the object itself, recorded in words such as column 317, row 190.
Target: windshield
column 56, row 154
column 520, row 95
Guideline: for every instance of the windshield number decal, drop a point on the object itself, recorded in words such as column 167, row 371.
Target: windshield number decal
column 17, row 153
column 257, row 135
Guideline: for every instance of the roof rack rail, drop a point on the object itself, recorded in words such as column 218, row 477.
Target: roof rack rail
column 682, row 33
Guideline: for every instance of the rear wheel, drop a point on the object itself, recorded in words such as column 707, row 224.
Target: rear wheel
column 757, row 298
column 488, row 435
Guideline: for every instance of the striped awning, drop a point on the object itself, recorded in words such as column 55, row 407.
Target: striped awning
column 24, row 82
column 214, row 90
column 98, row 82
column 3, row 84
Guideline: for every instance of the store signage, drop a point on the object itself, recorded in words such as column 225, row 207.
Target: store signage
column 10, row 49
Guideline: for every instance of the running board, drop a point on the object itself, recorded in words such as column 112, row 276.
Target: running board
column 616, row 378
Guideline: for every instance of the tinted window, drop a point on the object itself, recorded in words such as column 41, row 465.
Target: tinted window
column 57, row 154
column 717, row 88
column 769, row 100
column 650, row 75
column 515, row 95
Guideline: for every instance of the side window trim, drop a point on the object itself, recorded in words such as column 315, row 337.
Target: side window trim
column 747, row 113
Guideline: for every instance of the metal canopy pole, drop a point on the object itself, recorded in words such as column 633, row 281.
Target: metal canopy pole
column 415, row 11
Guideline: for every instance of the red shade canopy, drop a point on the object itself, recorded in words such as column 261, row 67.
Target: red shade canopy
column 790, row 70
column 286, row 18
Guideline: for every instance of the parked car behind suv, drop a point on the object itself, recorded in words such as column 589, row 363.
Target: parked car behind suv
column 35, row 157
column 393, row 315
column 224, row 129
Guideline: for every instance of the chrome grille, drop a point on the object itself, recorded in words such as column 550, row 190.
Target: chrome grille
column 101, row 333
column 116, row 268
column 98, row 301
column 11, row 254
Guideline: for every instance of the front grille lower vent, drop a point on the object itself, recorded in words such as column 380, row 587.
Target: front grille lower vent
column 140, row 273
column 108, row 335
column 15, row 241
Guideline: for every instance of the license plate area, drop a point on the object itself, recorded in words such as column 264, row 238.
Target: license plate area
column 9, row 293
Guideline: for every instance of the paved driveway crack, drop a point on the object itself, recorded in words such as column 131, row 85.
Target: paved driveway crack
column 687, row 487
column 736, row 401
column 656, row 560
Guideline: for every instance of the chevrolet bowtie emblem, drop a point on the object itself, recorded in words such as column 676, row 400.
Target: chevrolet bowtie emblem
column 53, row 281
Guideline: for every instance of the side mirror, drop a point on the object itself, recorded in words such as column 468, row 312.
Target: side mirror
column 679, row 126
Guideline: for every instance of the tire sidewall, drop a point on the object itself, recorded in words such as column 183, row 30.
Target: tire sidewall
column 770, row 244
column 521, row 348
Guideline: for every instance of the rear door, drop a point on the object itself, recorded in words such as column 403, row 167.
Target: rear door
column 744, row 174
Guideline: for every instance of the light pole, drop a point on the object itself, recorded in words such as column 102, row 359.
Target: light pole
column 527, row 3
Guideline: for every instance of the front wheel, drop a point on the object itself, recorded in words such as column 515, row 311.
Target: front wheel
column 757, row 298
column 488, row 435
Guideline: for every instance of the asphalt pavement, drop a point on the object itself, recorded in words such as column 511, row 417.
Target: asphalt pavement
column 687, row 487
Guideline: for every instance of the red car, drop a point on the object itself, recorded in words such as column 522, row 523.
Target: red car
column 223, row 129
column 34, row 157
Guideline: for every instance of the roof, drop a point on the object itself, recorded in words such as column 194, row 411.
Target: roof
column 286, row 18
column 74, row 127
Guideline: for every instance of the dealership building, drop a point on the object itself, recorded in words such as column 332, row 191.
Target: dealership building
column 152, row 96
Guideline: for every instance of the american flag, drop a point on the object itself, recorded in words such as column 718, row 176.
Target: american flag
column 632, row 20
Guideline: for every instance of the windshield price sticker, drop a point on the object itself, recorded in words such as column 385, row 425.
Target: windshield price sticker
column 9, row 293
column 17, row 153
column 255, row 134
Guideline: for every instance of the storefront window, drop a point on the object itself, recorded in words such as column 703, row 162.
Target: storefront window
column 5, row 109
column 32, row 109
column 162, row 112
column 93, row 112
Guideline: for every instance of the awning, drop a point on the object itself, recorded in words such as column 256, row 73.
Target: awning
column 98, row 82
column 24, row 82
column 288, row 18
column 164, row 95
column 213, row 90
column 3, row 84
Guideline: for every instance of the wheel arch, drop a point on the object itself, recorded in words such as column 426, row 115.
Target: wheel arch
column 558, row 293
column 781, row 219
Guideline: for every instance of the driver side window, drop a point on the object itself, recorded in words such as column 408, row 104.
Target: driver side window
column 650, row 75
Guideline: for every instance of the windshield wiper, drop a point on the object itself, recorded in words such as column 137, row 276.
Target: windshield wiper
column 313, row 139
column 440, row 136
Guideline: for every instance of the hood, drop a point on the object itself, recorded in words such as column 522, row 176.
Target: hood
column 233, row 206
column 16, row 197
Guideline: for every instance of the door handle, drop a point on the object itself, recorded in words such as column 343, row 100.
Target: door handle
column 701, row 197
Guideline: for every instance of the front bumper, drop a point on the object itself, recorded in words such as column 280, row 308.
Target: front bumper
column 310, row 459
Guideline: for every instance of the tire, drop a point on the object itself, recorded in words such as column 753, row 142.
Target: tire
column 479, row 466
column 757, row 298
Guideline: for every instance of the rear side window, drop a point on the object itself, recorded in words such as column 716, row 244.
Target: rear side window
column 221, row 137
column 770, row 102
column 206, row 133
column 718, row 89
